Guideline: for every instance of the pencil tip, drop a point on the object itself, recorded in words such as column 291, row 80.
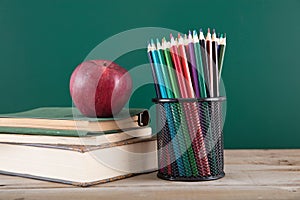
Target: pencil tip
column 214, row 31
column 171, row 36
column 201, row 30
column 152, row 41
column 179, row 35
column 208, row 30
column 190, row 32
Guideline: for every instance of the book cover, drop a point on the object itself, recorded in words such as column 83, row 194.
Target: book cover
column 68, row 121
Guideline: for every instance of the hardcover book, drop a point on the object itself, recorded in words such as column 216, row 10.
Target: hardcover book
column 79, row 165
column 67, row 121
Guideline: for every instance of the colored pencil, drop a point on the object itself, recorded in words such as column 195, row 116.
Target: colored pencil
column 204, row 106
column 182, row 88
column 164, row 165
column 177, row 64
column 180, row 137
column 163, row 69
column 168, row 111
column 222, row 47
column 185, row 67
column 199, row 63
column 204, row 60
column 194, row 67
column 215, row 109
column 174, row 84
column 215, row 68
column 193, row 122
column 186, row 47
column 183, row 124
column 158, row 72
column 209, row 62
column 156, row 86
column 158, row 95
column 172, row 73
column 183, row 94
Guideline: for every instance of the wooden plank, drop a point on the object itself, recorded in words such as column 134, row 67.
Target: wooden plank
column 263, row 157
column 250, row 174
column 145, row 193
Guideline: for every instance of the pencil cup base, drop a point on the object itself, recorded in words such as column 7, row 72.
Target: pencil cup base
column 189, row 179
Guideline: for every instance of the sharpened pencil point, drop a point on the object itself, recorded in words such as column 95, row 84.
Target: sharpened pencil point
column 171, row 36
column 185, row 40
column 152, row 41
column 190, row 32
column 153, row 44
column 179, row 35
column 201, row 30
column 194, row 32
column 149, row 46
column 190, row 37
column 208, row 30
column 158, row 45
column 214, row 31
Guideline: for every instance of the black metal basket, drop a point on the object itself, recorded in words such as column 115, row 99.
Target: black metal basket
column 190, row 139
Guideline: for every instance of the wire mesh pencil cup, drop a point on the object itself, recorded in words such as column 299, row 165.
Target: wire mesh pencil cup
column 190, row 139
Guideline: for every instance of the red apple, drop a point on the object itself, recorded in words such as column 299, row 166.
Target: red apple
column 100, row 88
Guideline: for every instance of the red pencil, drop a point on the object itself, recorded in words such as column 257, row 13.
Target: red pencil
column 190, row 110
column 178, row 68
column 185, row 67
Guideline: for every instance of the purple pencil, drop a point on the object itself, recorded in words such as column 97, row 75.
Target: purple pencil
column 193, row 65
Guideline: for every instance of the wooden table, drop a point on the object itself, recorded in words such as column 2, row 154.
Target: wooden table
column 250, row 174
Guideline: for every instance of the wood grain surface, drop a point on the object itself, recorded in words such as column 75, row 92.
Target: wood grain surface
column 250, row 174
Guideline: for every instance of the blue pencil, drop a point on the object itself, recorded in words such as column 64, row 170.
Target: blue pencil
column 163, row 92
column 156, row 86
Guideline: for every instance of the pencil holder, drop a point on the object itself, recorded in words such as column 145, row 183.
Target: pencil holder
column 190, row 139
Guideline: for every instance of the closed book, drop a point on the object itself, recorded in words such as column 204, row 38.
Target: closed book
column 80, row 165
column 68, row 121
column 89, row 139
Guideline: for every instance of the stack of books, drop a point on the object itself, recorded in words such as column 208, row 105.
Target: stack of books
column 61, row 145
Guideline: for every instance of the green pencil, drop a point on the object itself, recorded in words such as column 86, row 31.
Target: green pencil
column 166, row 48
column 170, row 68
column 199, row 63
column 170, row 94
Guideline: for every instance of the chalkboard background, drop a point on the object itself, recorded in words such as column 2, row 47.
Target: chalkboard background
column 41, row 42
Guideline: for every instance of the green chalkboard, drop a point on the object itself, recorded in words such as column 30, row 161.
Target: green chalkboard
column 41, row 42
